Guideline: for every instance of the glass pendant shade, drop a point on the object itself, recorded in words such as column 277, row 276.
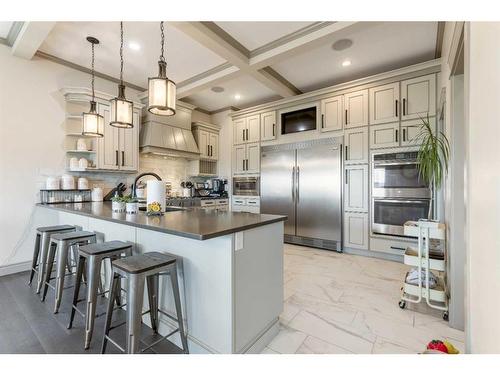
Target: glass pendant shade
column 161, row 93
column 93, row 122
column 121, row 110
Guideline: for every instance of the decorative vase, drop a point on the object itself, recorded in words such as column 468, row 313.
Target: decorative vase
column 131, row 208
column 118, row 206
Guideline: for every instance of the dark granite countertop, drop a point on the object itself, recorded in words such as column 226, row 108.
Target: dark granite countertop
column 191, row 223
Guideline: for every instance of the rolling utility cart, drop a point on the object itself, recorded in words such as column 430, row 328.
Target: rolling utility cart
column 430, row 255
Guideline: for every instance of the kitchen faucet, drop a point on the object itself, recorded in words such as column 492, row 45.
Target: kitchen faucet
column 134, row 185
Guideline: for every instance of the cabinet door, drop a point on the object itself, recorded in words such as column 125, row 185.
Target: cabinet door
column 253, row 158
column 356, row 188
column 356, row 109
column 239, row 159
column 213, row 142
column 332, row 113
column 253, row 129
column 418, row 97
column 384, row 103
column 411, row 129
column 356, row 145
column 109, row 144
column 203, row 143
column 268, row 126
column 385, row 135
column 356, row 230
column 129, row 148
column 239, row 131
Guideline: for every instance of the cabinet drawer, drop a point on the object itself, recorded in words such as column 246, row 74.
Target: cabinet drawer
column 207, row 203
column 390, row 246
column 253, row 202
column 239, row 201
column 222, row 202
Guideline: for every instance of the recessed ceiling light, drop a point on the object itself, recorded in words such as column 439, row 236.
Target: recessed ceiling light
column 217, row 89
column 134, row 46
column 342, row 44
column 237, row 96
column 346, row 62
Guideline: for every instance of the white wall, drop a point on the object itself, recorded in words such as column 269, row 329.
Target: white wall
column 482, row 82
column 225, row 144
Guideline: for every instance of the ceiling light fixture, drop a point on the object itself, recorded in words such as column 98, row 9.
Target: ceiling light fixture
column 346, row 63
column 134, row 46
column 93, row 122
column 217, row 89
column 162, row 91
column 342, row 44
column 121, row 108
column 237, row 96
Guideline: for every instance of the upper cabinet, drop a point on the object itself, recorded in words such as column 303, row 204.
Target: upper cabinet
column 239, row 131
column 356, row 145
column 411, row 129
column 246, row 130
column 246, row 159
column 418, row 97
column 384, row 103
column 356, row 109
column 332, row 113
column 268, row 126
column 207, row 138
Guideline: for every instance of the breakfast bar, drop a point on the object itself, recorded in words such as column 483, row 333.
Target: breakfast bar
column 231, row 278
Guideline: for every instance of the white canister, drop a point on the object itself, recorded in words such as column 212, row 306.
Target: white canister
column 73, row 163
column 52, row 183
column 81, row 144
column 97, row 194
column 83, row 183
column 156, row 193
column 67, row 182
column 83, row 163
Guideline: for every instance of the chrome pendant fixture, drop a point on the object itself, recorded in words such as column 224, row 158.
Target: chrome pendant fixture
column 161, row 90
column 93, row 122
column 121, row 108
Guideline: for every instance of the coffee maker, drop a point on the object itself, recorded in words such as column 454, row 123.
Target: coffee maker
column 219, row 187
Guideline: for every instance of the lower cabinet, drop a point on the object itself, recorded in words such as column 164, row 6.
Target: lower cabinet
column 356, row 188
column 242, row 204
column 356, row 230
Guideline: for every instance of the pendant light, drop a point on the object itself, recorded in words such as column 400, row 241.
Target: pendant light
column 162, row 91
column 121, row 108
column 93, row 122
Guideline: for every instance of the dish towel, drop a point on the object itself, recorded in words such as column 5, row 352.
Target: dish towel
column 412, row 278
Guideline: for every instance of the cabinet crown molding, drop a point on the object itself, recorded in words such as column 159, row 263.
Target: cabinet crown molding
column 206, row 126
column 85, row 94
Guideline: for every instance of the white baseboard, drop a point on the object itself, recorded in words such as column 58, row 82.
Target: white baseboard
column 9, row 269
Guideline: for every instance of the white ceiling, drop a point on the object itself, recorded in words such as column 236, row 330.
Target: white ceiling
column 185, row 56
column 251, row 92
column 5, row 28
column 382, row 47
column 253, row 35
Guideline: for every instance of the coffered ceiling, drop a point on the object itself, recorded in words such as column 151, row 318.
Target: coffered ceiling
column 248, row 62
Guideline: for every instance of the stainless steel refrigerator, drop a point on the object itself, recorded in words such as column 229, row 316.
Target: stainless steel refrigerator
column 304, row 181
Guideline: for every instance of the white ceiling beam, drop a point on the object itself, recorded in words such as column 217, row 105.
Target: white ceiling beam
column 30, row 37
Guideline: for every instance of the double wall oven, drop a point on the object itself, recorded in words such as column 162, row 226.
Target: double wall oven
column 398, row 192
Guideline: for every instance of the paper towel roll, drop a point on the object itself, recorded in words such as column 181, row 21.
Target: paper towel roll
column 156, row 193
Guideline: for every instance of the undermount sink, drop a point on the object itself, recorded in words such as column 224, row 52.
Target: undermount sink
column 167, row 209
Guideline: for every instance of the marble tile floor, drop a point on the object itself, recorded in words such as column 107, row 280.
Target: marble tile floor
column 344, row 304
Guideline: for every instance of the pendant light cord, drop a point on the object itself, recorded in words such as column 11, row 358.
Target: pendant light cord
column 162, row 58
column 121, row 53
column 93, row 95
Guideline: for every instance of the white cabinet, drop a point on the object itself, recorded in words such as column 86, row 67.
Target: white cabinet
column 356, row 145
column 246, row 158
column 411, row 129
column 119, row 148
column 214, row 145
column 242, row 204
column 418, row 97
column 356, row 230
column 201, row 138
column 268, row 126
column 356, row 188
column 384, row 103
column 356, row 109
column 384, row 135
column 207, row 138
column 332, row 113
column 246, row 130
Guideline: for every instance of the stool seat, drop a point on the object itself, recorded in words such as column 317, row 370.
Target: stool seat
column 104, row 247
column 72, row 235
column 144, row 262
column 55, row 228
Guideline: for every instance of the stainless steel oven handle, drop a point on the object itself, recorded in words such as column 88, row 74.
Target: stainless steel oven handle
column 401, row 200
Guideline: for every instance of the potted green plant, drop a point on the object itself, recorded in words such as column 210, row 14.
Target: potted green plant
column 433, row 156
column 130, row 205
column 118, row 204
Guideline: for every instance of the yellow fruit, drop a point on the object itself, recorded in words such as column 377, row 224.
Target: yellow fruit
column 450, row 347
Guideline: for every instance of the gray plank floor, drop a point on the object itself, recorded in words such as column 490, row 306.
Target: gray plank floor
column 29, row 326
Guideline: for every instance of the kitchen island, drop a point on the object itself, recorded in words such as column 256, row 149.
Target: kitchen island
column 231, row 277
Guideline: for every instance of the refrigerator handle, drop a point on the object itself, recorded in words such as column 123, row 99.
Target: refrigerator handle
column 297, row 184
column 293, row 184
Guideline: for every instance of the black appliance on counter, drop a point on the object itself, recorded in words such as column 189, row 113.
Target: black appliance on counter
column 219, row 188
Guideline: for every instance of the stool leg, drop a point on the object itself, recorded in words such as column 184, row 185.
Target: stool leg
column 134, row 312
column 178, row 308
column 42, row 264
column 152, row 282
column 35, row 262
column 50, row 263
column 113, row 285
column 78, row 282
column 94, row 282
column 62, row 255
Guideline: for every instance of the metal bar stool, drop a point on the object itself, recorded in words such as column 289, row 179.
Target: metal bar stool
column 42, row 241
column 60, row 245
column 137, row 270
column 93, row 255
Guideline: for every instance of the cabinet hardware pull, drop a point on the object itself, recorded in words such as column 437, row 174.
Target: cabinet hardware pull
column 211, row 150
column 243, row 164
column 123, row 158
column 274, row 130
column 346, row 117
column 116, row 158
column 247, row 135
column 346, row 153
column 396, row 108
column 404, row 106
column 322, row 121
column 398, row 248
column 243, row 134
column 397, row 140
column 247, row 164
column 346, row 177
column 404, row 134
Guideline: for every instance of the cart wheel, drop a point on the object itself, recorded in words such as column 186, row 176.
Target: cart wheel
column 402, row 304
column 445, row 315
